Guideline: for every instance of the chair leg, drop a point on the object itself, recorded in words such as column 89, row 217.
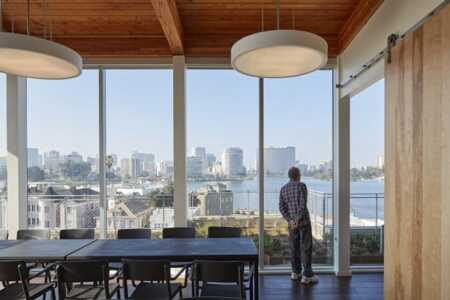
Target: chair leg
column 53, row 294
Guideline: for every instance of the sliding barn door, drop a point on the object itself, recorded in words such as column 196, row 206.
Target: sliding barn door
column 417, row 182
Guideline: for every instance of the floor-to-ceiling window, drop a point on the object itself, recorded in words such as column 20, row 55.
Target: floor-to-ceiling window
column 222, row 139
column 139, row 160
column 3, row 153
column 63, row 152
column 298, row 132
column 367, row 175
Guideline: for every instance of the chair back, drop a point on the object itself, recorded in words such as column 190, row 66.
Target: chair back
column 82, row 271
column 219, row 271
column 135, row 233
column 77, row 234
column 13, row 271
column 146, row 270
column 224, row 232
column 33, row 234
column 178, row 233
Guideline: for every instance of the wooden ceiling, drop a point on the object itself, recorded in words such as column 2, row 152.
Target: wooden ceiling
column 196, row 28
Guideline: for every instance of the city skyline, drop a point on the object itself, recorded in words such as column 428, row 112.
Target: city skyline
column 301, row 118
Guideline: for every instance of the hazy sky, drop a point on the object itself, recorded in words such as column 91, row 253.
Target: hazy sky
column 222, row 111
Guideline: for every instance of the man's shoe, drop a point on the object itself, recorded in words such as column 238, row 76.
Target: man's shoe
column 294, row 276
column 310, row 280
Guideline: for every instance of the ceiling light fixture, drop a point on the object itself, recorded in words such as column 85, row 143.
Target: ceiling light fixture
column 35, row 57
column 279, row 53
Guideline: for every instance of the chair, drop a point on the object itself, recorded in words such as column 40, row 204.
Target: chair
column 224, row 232
column 135, row 233
column 77, row 234
column 92, row 271
column 155, row 280
column 178, row 233
column 219, row 279
column 33, row 234
column 16, row 279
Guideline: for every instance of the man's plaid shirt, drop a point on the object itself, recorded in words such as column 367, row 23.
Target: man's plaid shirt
column 293, row 202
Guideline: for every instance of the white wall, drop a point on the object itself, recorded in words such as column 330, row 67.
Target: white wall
column 393, row 16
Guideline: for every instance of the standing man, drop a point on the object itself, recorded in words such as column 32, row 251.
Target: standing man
column 293, row 200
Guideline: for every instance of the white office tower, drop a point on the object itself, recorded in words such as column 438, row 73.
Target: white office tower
column 233, row 162
column 34, row 159
column 380, row 161
column 165, row 169
column 200, row 152
column 52, row 160
column 194, row 166
column 125, row 167
column 135, row 167
column 148, row 163
column 277, row 161
column 74, row 157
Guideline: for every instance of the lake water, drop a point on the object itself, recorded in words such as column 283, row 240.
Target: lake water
column 367, row 199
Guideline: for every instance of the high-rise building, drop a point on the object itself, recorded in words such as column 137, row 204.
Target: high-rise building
column 165, row 169
column 211, row 159
column 199, row 152
column 73, row 157
column 233, row 162
column 278, row 160
column 148, row 163
column 135, row 167
column 52, row 160
column 125, row 167
column 215, row 200
column 194, row 166
column 380, row 161
column 34, row 159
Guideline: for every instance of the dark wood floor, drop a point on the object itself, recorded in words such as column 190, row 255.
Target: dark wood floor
column 359, row 286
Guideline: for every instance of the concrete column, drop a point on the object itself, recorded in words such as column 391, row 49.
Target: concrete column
column 341, row 182
column 16, row 106
column 179, row 139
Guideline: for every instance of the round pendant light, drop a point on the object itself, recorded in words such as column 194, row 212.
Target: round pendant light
column 35, row 57
column 279, row 53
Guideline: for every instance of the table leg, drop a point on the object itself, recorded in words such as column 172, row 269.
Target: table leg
column 256, row 281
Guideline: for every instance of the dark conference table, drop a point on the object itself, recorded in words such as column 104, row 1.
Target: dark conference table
column 181, row 250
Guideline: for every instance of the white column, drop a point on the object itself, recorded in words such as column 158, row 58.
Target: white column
column 16, row 106
column 179, row 139
column 103, row 201
column 341, row 182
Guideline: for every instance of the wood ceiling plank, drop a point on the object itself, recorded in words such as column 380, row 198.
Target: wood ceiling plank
column 167, row 13
column 357, row 20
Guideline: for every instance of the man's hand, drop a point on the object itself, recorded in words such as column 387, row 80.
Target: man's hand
column 293, row 224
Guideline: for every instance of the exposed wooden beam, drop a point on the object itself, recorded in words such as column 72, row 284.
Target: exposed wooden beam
column 167, row 14
column 359, row 17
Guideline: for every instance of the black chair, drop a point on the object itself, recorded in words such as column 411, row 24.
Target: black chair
column 77, row 234
column 33, row 234
column 178, row 233
column 219, row 279
column 16, row 279
column 135, row 233
column 154, row 277
column 224, row 232
column 87, row 271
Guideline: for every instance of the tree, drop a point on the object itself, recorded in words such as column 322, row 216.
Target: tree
column 36, row 174
column 75, row 170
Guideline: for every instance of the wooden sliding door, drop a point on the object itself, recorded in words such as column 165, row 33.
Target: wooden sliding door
column 417, row 183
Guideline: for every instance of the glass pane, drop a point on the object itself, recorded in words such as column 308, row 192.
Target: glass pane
column 63, row 148
column 298, row 132
column 3, row 153
column 222, row 137
column 139, row 145
column 367, row 175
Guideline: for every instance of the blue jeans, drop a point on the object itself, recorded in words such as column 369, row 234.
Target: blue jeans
column 300, row 240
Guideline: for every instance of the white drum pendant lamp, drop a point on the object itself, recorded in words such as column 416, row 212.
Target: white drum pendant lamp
column 35, row 57
column 279, row 53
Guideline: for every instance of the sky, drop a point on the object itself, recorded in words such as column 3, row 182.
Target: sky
column 222, row 111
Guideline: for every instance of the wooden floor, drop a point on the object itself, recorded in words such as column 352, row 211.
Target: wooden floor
column 359, row 286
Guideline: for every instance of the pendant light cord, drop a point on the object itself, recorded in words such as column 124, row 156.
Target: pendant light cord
column 28, row 17
column 278, row 14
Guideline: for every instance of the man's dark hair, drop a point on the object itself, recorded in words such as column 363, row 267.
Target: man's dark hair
column 294, row 173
